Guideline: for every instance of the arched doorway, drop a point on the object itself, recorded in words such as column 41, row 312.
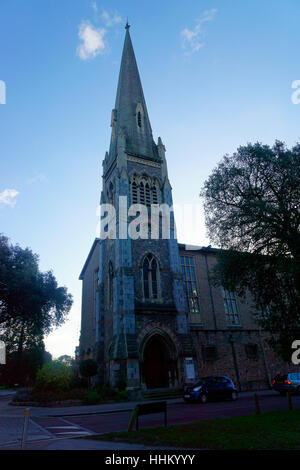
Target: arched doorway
column 159, row 369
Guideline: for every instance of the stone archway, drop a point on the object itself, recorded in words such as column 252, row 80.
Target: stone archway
column 159, row 363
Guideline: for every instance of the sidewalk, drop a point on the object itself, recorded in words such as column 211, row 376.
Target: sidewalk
column 12, row 418
column 12, row 410
column 82, row 444
column 7, row 393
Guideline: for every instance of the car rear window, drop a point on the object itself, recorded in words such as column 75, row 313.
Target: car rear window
column 294, row 376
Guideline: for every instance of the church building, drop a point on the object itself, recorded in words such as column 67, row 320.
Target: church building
column 151, row 317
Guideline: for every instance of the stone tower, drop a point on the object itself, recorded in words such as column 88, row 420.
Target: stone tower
column 142, row 330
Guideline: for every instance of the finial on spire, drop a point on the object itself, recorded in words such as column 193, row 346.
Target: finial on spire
column 127, row 25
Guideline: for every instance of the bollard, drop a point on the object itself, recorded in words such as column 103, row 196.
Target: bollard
column 289, row 398
column 25, row 427
column 132, row 419
column 257, row 407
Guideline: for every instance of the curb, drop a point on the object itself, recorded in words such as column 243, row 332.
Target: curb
column 249, row 394
column 264, row 393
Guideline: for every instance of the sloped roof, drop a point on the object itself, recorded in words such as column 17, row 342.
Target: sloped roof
column 95, row 243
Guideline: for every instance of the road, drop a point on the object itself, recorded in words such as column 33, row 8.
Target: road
column 42, row 426
column 178, row 413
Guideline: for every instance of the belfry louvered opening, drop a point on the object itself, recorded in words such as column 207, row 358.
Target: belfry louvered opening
column 144, row 190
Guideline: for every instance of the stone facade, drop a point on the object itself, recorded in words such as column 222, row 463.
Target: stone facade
column 140, row 322
column 89, row 277
column 239, row 351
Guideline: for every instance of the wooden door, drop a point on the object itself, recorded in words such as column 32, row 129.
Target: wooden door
column 156, row 361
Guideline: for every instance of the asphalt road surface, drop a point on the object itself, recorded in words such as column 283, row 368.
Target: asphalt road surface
column 180, row 412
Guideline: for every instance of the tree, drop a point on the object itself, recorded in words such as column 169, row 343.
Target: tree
column 88, row 368
column 252, row 207
column 23, row 371
column 54, row 376
column 67, row 360
column 31, row 302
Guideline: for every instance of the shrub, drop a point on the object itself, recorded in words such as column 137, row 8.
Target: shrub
column 48, row 396
column 53, row 376
column 122, row 395
column 121, row 385
column 78, row 382
column 107, row 393
column 92, row 397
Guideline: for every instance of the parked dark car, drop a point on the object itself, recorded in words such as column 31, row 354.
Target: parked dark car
column 215, row 388
column 284, row 383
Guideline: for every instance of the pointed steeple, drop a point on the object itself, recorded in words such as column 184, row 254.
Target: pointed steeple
column 130, row 116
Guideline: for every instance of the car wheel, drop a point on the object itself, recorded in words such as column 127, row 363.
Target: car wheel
column 234, row 396
column 203, row 398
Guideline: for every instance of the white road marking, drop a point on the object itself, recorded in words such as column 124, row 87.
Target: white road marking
column 63, row 427
column 84, row 429
column 75, row 432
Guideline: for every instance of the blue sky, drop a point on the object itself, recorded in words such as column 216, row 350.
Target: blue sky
column 216, row 74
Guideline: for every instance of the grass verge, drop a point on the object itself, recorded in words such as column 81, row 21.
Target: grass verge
column 273, row 430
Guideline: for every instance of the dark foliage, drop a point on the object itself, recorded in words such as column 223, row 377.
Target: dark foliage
column 88, row 368
column 49, row 396
column 252, row 206
column 67, row 360
column 22, row 370
column 31, row 302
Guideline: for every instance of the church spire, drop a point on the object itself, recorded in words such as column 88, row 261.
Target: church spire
column 130, row 116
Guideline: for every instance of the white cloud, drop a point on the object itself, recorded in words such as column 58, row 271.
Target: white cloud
column 110, row 20
column 94, row 7
column 193, row 39
column 7, row 197
column 92, row 41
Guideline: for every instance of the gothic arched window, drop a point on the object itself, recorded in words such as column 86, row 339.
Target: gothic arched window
column 150, row 277
column 134, row 193
column 142, row 193
column 154, row 195
column 148, row 195
column 111, row 194
column 110, row 284
column 144, row 190
column 139, row 119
